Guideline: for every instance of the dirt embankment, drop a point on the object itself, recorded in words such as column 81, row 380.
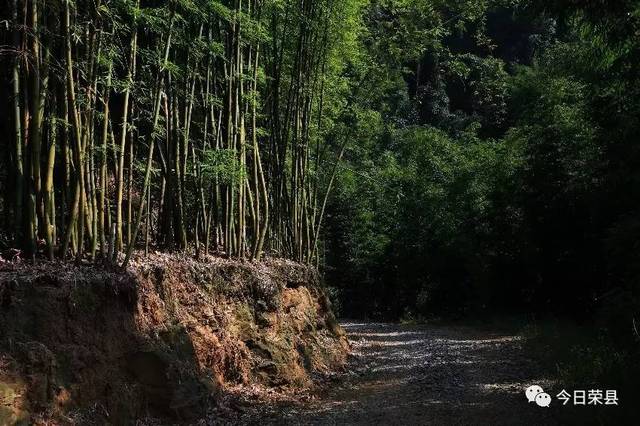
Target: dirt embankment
column 165, row 340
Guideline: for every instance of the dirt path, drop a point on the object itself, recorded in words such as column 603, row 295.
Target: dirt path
column 411, row 375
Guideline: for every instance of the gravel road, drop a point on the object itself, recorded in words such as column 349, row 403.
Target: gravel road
column 415, row 375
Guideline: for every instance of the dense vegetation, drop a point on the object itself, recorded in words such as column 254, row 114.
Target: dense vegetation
column 495, row 165
column 177, row 124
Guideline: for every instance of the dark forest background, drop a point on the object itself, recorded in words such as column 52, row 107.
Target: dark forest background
column 496, row 162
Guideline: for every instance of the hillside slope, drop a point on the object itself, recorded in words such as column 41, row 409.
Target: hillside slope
column 163, row 341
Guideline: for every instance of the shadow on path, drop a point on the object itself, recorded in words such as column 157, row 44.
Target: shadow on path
column 406, row 375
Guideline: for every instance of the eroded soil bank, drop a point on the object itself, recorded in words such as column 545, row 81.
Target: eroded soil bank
column 163, row 342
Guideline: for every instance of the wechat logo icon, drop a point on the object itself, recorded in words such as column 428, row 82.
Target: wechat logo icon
column 536, row 394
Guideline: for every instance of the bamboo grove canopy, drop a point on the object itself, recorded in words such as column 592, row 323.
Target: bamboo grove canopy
column 173, row 124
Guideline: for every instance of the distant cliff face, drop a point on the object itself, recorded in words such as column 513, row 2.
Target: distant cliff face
column 165, row 340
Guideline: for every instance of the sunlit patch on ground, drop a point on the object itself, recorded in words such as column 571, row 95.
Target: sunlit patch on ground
column 426, row 375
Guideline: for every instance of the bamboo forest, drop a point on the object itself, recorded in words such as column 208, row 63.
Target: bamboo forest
column 172, row 124
column 319, row 212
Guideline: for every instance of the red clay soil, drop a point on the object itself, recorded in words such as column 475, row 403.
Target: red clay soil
column 164, row 342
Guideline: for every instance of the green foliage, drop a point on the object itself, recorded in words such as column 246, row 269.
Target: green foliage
column 488, row 183
column 218, row 9
column 222, row 165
